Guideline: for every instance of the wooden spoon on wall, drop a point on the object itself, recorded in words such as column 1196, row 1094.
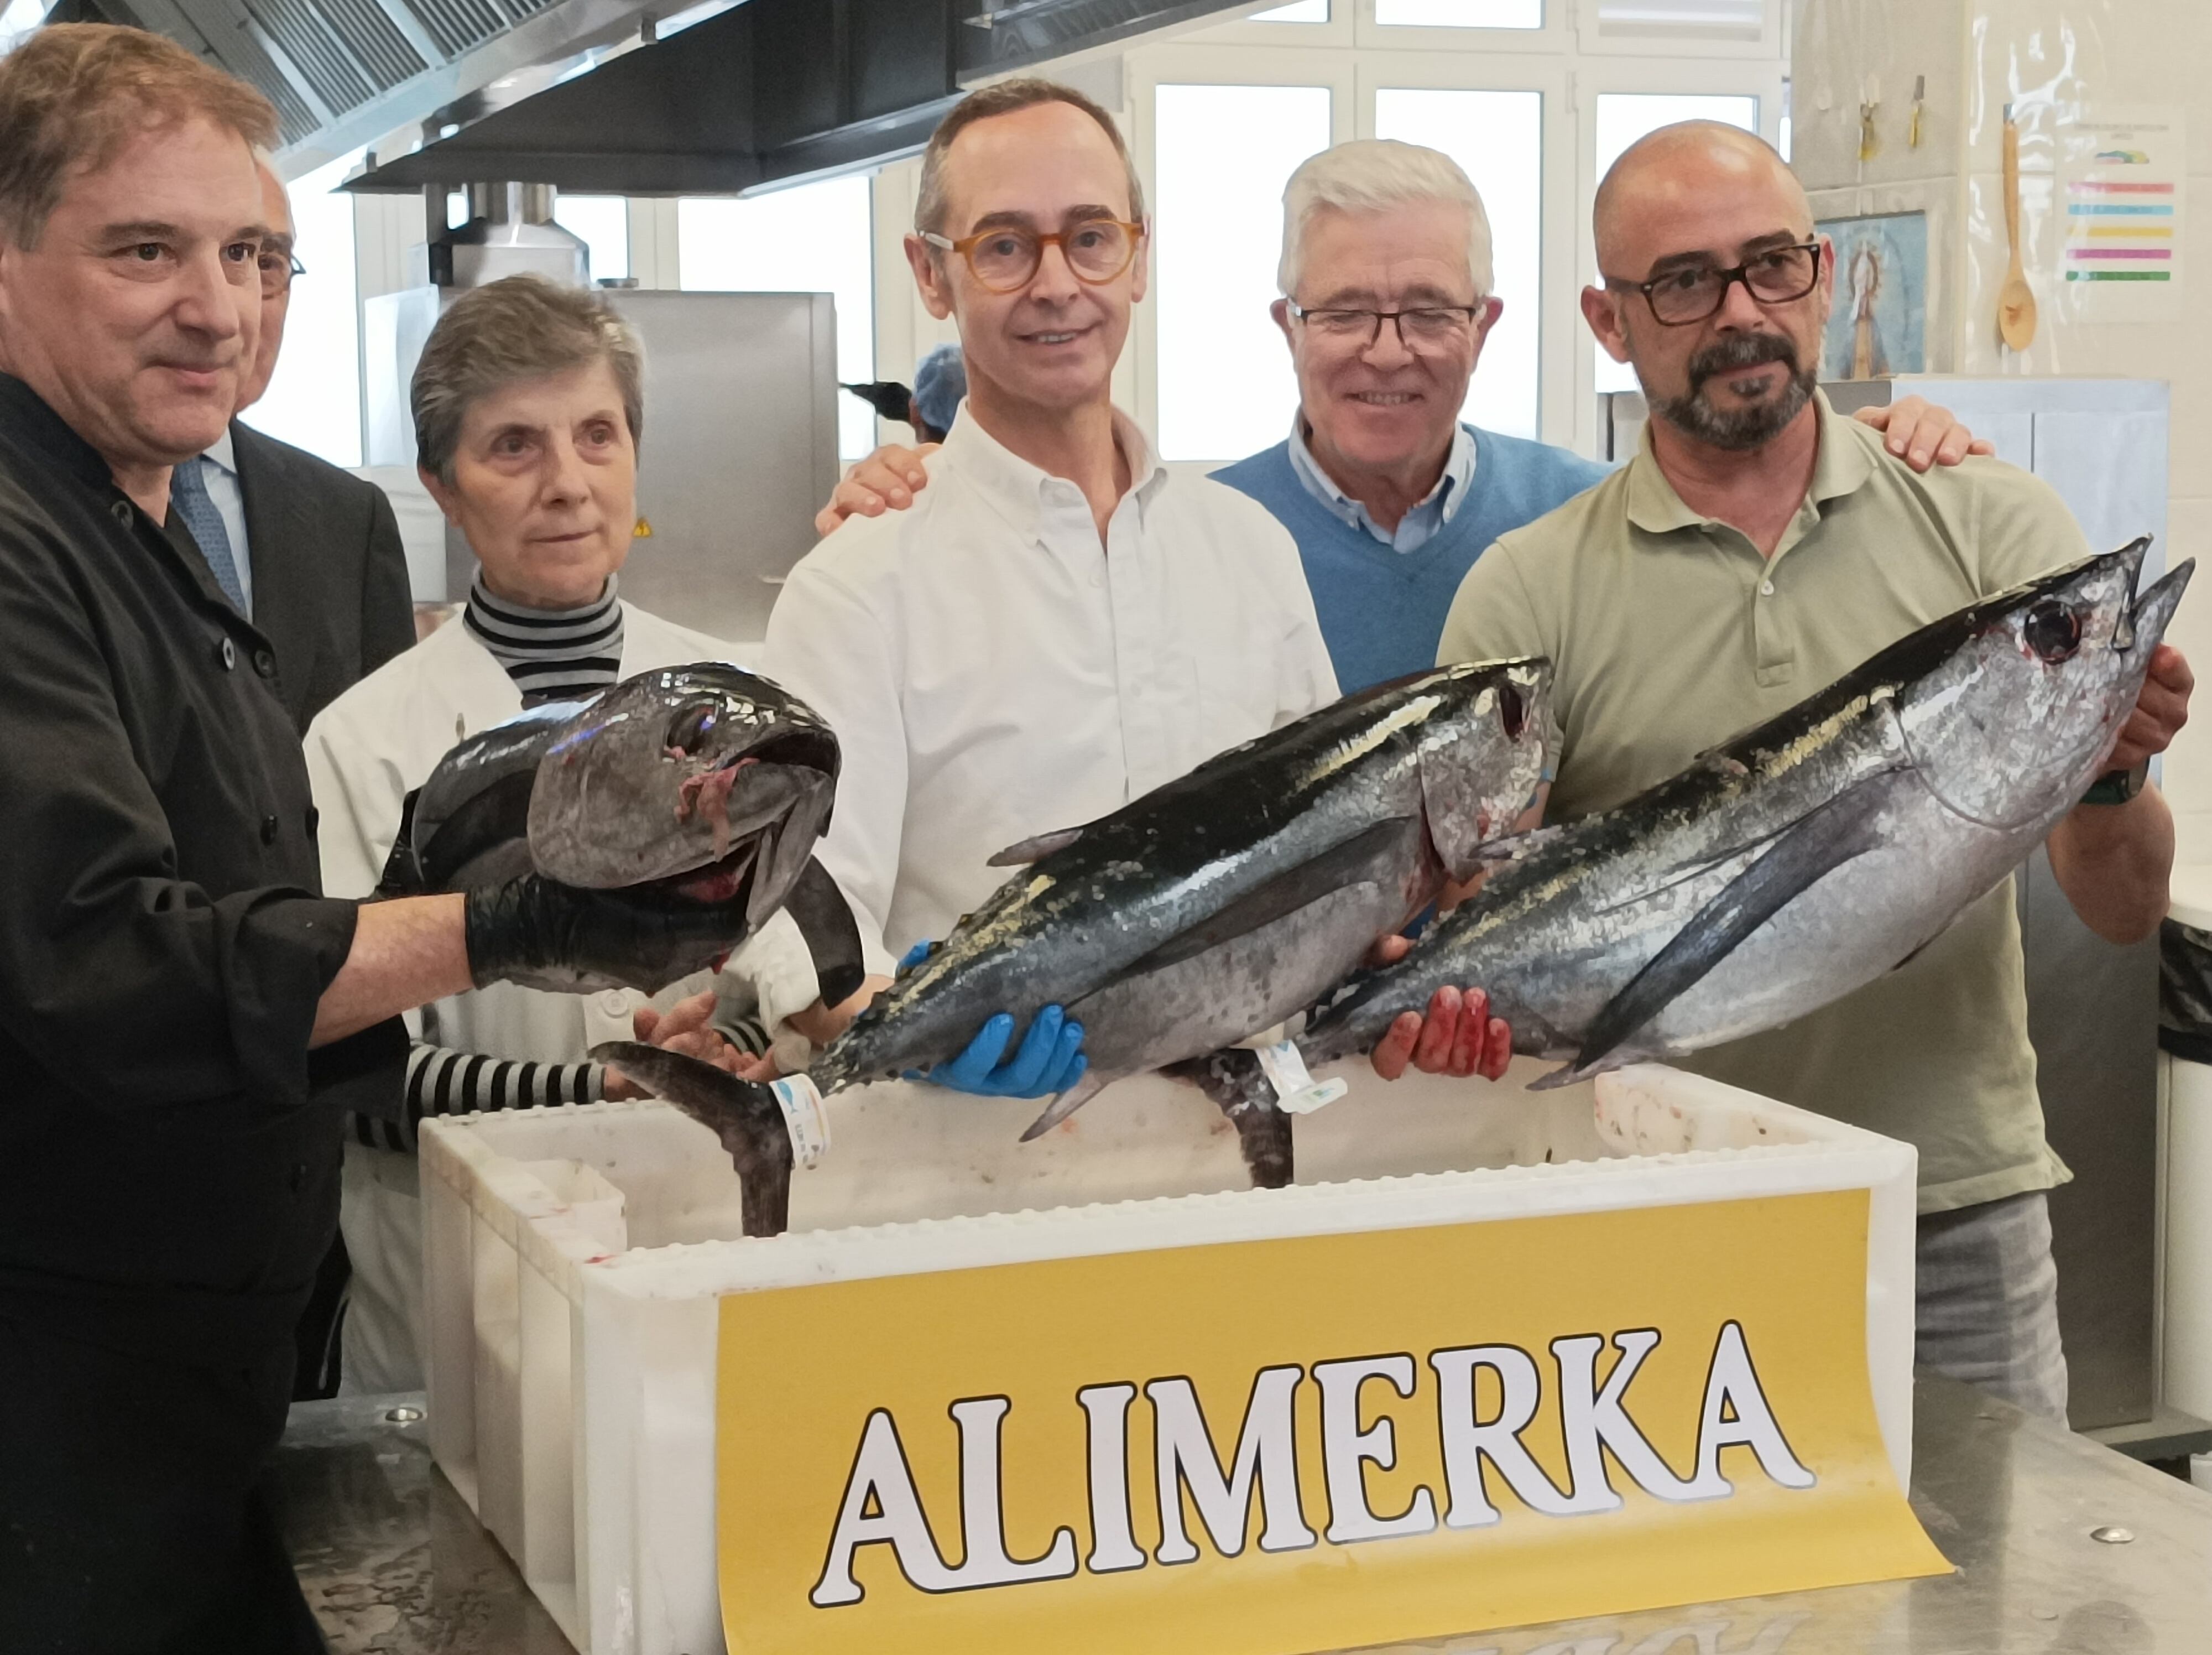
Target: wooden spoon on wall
column 2015, row 301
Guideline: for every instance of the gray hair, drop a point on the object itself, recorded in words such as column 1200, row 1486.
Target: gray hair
column 520, row 328
column 1368, row 175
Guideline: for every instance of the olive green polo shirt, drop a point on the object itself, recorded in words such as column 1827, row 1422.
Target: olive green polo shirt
column 1669, row 635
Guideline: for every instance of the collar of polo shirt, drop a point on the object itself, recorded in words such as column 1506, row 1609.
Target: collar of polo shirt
column 1840, row 468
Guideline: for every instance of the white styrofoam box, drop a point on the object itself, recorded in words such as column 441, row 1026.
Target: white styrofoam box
column 573, row 1256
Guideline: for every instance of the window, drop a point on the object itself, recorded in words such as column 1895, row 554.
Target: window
column 815, row 238
column 602, row 222
column 1703, row 22
column 1625, row 117
column 314, row 401
column 1224, row 155
column 1299, row 11
column 1497, row 139
column 1460, row 14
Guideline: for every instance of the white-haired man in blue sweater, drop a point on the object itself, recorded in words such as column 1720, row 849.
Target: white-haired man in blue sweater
column 1386, row 282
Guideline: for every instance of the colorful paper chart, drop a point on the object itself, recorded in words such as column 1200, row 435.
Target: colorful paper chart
column 2122, row 192
column 2119, row 231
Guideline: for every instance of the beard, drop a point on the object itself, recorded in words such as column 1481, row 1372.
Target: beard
column 1738, row 429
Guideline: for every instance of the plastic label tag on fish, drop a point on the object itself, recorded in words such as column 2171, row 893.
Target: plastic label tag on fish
column 804, row 1117
column 1297, row 1092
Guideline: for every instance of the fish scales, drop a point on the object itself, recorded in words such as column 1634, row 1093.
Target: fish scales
column 1125, row 885
column 1211, row 908
column 1806, row 858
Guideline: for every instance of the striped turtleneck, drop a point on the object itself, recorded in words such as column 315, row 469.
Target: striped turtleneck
column 552, row 654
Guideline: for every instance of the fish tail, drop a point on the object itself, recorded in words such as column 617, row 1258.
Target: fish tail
column 744, row 1115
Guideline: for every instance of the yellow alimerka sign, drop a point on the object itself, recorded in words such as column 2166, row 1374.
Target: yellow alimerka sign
column 1312, row 1443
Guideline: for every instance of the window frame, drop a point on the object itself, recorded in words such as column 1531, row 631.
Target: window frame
column 1555, row 36
column 1772, row 41
column 1555, row 384
column 1702, row 77
column 1552, row 61
column 1211, row 65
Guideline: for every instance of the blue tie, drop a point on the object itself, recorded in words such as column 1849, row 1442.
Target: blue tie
column 188, row 490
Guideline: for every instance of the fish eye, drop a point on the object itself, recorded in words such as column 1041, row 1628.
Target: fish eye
column 2052, row 630
column 688, row 730
column 1512, row 712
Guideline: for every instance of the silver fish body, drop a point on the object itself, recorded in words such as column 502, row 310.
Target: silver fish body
column 1208, row 910
column 1216, row 906
column 1806, row 858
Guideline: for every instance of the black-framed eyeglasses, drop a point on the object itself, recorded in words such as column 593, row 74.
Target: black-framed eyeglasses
column 1421, row 327
column 1682, row 297
column 279, row 270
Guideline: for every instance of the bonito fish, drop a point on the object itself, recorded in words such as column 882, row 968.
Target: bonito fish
column 687, row 787
column 1207, row 911
column 1805, row 859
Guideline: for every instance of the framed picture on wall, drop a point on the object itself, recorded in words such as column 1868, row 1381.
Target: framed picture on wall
column 1878, row 324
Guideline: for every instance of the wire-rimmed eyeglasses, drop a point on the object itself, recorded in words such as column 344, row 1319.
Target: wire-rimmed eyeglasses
column 1421, row 327
column 1005, row 260
column 1683, row 296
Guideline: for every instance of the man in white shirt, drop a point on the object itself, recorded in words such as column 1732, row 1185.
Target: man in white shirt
column 1059, row 625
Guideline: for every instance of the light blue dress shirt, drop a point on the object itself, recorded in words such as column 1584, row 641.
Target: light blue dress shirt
column 1418, row 525
column 220, row 473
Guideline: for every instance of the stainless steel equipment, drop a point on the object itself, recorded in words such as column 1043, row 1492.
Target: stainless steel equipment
column 2061, row 1546
column 740, row 441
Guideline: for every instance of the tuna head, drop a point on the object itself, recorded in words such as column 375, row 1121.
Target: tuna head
column 1482, row 755
column 699, row 778
column 2027, row 703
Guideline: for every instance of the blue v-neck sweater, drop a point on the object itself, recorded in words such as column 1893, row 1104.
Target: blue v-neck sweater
column 1383, row 611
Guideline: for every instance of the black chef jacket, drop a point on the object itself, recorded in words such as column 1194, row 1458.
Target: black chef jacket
column 168, row 1151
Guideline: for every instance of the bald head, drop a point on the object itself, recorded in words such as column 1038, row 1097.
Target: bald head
column 1716, row 286
column 1669, row 186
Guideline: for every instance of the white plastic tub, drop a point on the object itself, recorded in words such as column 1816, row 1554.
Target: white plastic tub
column 574, row 1257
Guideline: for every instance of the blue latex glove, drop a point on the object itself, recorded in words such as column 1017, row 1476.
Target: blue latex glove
column 1048, row 1060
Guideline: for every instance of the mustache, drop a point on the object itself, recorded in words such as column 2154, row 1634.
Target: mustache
column 1739, row 351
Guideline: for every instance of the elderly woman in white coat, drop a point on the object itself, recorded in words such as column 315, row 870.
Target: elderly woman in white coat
column 527, row 409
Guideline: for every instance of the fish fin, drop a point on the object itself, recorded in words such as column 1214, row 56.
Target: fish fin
column 824, row 919
column 1566, row 1075
column 1232, row 1078
column 1814, row 846
column 1066, row 1105
column 402, row 870
column 2151, row 612
column 743, row 1114
column 1022, row 852
column 1350, row 862
column 1513, row 847
column 494, row 819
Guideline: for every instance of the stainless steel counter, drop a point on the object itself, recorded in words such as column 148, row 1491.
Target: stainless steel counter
column 394, row 1563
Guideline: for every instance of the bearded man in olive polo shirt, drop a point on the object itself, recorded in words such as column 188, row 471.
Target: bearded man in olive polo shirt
column 1758, row 547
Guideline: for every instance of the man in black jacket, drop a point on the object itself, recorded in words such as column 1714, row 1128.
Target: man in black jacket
column 325, row 576
column 182, row 1018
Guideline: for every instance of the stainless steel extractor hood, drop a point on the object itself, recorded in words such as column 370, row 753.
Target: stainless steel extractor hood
column 608, row 95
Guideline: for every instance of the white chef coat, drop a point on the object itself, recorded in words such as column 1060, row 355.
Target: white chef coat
column 992, row 671
column 365, row 751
